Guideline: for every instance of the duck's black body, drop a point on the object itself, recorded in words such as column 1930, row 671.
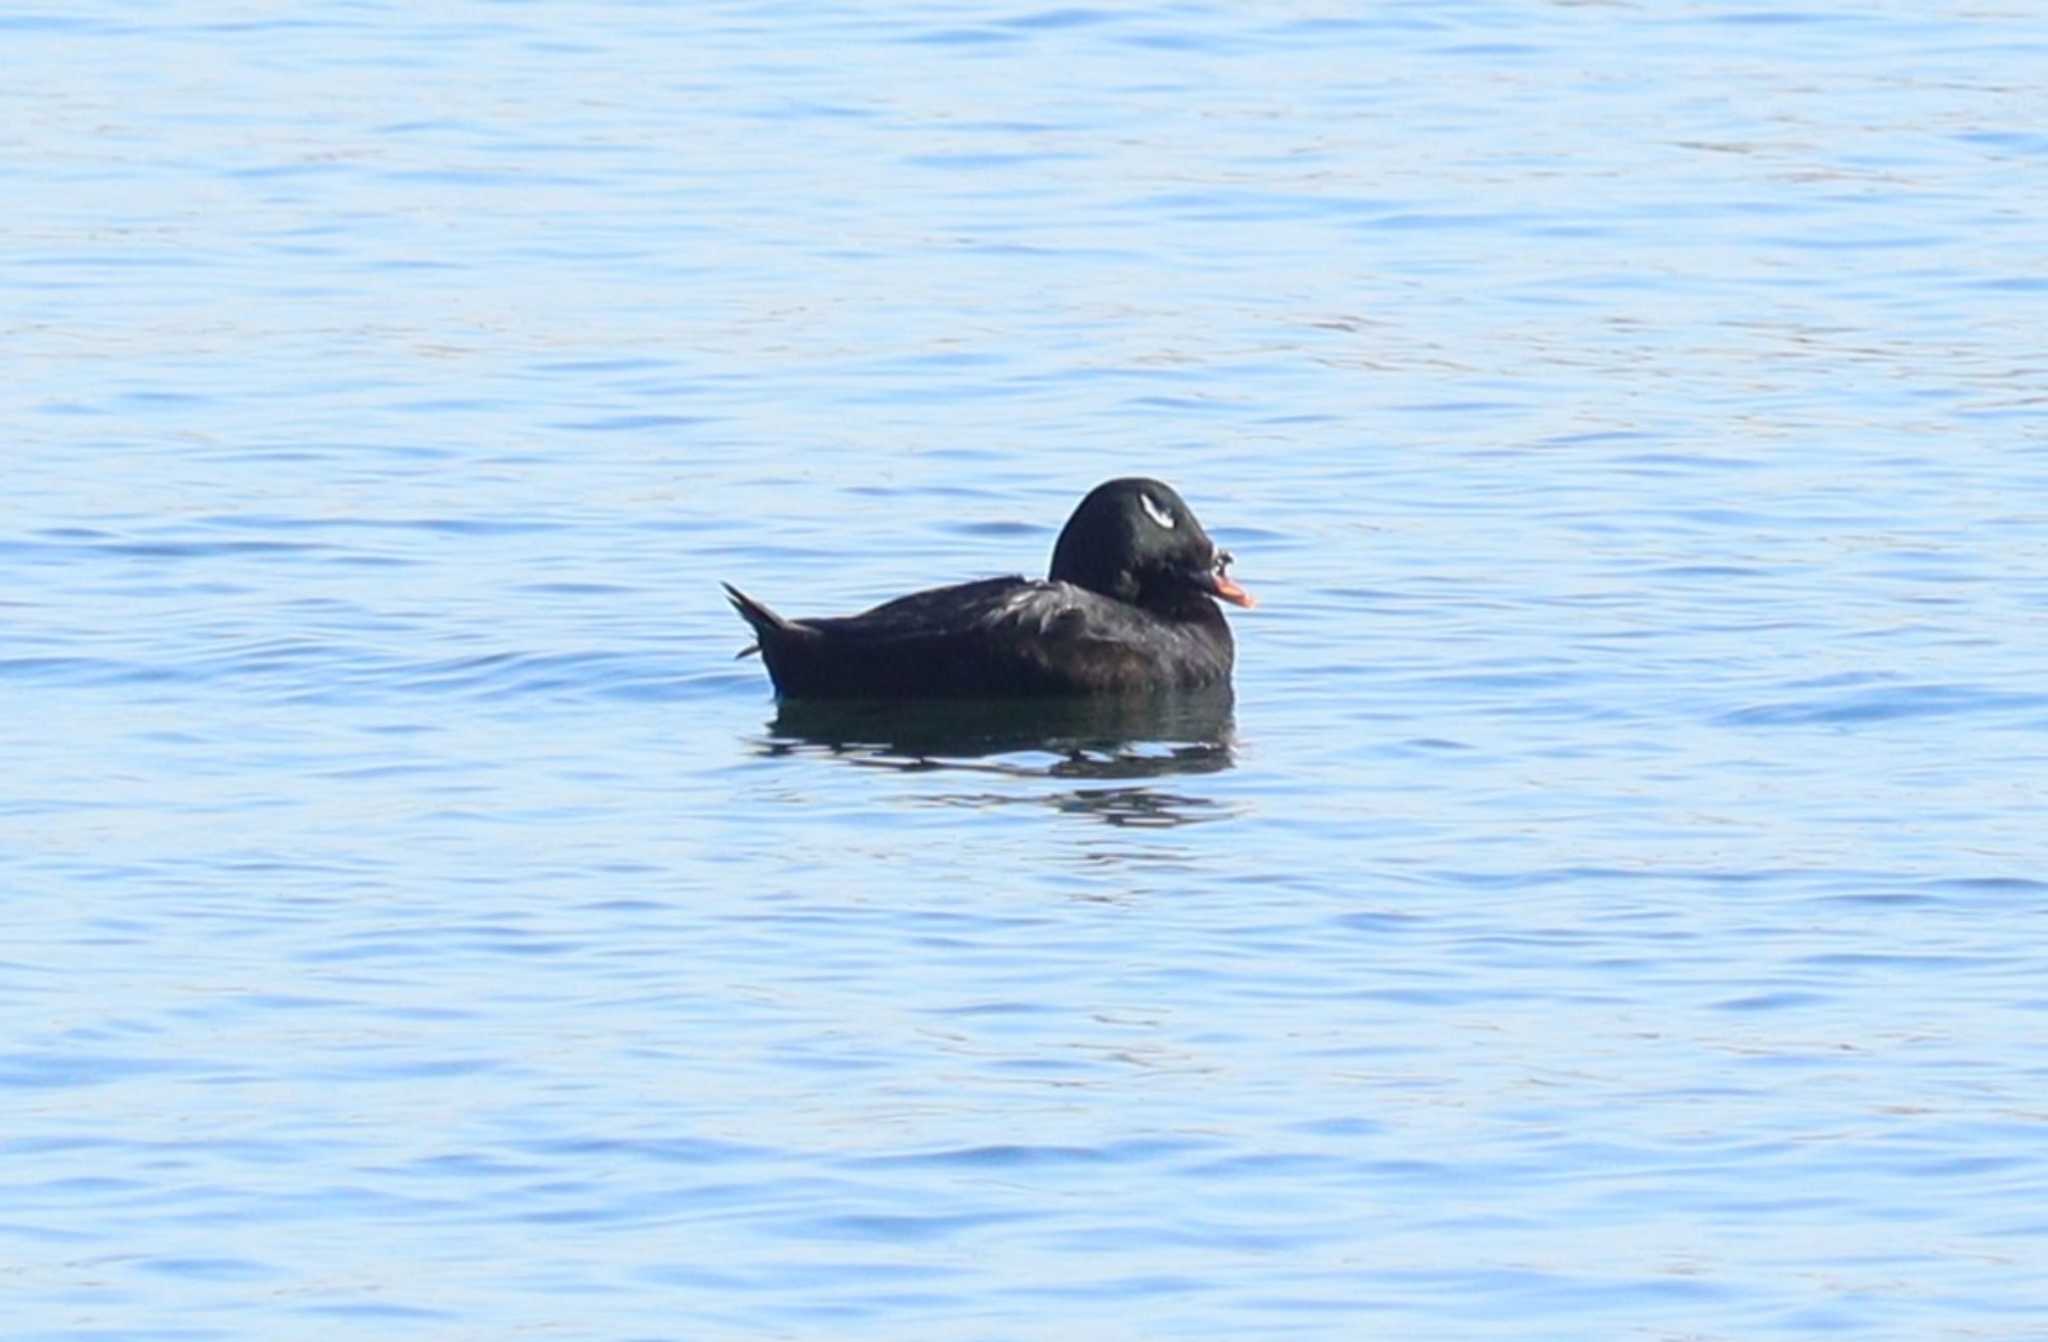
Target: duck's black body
column 1128, row 608
column 994, row 638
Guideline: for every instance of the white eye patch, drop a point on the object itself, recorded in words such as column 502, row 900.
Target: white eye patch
column 1155, row 512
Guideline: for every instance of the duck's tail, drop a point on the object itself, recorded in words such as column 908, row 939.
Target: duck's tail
column 763, row 620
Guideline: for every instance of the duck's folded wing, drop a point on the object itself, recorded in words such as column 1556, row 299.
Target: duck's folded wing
column 992, row 606
column 997, row 636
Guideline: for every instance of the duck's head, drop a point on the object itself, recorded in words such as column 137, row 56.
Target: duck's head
column 1138, row 541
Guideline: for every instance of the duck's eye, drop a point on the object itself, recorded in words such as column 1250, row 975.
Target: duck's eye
column 1158, row 514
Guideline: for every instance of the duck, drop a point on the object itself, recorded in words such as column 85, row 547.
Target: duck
column 1128, row 606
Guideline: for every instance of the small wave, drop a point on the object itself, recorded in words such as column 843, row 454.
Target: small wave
column 1885, row 704
column 77, row 671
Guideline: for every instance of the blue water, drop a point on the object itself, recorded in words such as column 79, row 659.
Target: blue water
column 1612, row 906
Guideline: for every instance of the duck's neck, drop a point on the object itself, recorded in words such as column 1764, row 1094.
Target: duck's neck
column 1183, row 607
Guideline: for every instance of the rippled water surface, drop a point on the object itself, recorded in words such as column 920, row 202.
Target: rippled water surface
column 1611, row 906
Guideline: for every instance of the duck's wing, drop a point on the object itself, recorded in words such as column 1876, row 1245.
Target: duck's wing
column 1008, row 636
column 995, row 637
column 1002, row 609
column 993, row 604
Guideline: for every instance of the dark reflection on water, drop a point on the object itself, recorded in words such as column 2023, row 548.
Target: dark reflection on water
column 1097, row 740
